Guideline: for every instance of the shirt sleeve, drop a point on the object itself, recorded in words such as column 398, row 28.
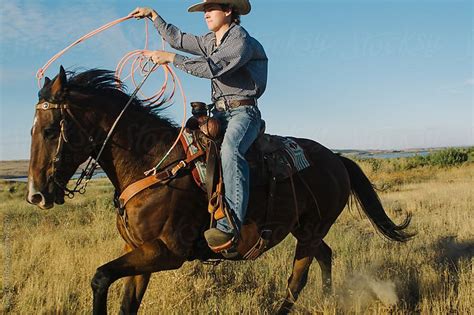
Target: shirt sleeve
column 228, row 57
column 179, row 40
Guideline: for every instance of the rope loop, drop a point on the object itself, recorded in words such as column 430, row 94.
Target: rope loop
column 137, row 60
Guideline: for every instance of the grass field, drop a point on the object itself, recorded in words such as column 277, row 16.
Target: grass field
column 48, row 257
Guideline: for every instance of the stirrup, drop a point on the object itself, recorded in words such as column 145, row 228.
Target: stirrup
column 226, row 247
column 227, row 250
column 259, row 247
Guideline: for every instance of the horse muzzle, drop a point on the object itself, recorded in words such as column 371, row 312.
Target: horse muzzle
column 39, row 199
column 42, row 199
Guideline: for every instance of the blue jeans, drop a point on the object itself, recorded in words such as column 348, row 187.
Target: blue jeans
column 241, row 125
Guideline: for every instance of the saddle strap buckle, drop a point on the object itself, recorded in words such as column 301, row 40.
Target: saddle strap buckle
column 177, row 167
column 216, row 205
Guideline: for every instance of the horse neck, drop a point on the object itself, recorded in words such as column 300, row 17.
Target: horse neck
column 139, row 142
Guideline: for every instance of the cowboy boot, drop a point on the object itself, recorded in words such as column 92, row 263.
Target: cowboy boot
column 218, row 240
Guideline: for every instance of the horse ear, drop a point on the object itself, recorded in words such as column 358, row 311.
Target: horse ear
column 46, row 81
column 60, row 82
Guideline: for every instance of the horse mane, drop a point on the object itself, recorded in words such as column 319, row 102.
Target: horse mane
column 97, row 82
column 103, row 83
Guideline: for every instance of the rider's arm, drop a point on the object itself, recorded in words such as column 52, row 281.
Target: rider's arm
column 232, row 54
column 179, row 40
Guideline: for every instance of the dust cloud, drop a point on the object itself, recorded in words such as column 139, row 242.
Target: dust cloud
column 360, row 290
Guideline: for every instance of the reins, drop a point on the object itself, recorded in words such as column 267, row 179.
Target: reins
column 139, row 62
column 88, row 172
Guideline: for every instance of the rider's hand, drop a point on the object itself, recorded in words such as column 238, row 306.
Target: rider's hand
column 161, row 57
column 140, row 13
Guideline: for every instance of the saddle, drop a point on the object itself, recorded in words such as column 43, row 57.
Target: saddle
column 270, row 158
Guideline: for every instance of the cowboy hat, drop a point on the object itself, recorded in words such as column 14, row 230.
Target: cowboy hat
column 241, row 6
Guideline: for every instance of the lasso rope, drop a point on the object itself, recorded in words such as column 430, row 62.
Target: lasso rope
column 138, row 59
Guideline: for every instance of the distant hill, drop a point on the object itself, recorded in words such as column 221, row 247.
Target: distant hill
column 19, row 168
column 10, row 169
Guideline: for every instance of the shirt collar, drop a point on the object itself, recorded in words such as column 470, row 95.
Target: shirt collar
column 226, row 33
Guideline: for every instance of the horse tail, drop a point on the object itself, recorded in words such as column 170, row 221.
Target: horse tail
column 370, row 203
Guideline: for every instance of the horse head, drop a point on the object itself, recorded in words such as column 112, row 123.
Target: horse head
column 61, row 140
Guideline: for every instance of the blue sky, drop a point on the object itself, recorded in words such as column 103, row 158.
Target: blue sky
column 349, row 74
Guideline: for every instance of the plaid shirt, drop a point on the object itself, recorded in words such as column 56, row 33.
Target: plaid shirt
column 237, row 67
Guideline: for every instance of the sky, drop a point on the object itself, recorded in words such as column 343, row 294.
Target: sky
column 352, row 74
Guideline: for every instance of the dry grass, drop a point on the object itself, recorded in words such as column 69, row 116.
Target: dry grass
column 49, row 257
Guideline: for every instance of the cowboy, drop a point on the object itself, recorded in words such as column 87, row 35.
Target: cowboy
column 236, row 64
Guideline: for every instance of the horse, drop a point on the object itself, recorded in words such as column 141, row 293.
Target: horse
column 74, row 113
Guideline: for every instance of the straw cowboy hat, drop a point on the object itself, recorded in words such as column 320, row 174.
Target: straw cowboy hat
column 241, row 6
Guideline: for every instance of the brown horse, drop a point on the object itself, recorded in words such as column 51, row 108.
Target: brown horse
column 167, row 221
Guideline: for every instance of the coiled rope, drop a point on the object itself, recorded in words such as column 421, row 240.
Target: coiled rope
column 137, row 60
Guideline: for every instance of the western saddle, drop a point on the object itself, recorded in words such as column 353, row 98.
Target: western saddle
column 268, row 160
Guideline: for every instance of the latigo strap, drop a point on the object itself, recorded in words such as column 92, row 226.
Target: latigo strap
column 151, row 180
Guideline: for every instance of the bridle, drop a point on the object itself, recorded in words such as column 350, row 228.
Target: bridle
column 92, row 163
column 81, row 183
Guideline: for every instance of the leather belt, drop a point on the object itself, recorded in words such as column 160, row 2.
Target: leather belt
column 222, row 105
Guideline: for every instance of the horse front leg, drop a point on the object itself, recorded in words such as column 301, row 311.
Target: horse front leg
column 149, row 257
column 134, row 289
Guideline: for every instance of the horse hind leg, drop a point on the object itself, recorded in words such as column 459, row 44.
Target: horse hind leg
column 323, row 255
column 303, row 258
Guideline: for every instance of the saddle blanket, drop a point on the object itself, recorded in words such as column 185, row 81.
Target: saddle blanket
column 296, row 154
column 293, row 150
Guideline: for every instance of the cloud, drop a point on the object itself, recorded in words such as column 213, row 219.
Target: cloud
column 458, row 87
column 41, row 27
column 32, row 32
column 469, row 82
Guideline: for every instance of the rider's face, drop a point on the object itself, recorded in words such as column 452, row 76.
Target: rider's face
column 215, row 17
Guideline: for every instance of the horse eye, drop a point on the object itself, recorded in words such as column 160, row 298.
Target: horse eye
column 50, row 133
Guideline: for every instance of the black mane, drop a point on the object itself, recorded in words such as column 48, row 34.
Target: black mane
column 100, row 84
column 96, row 82
column 97, row 79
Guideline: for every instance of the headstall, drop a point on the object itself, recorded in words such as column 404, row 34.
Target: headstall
column 87, row 173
